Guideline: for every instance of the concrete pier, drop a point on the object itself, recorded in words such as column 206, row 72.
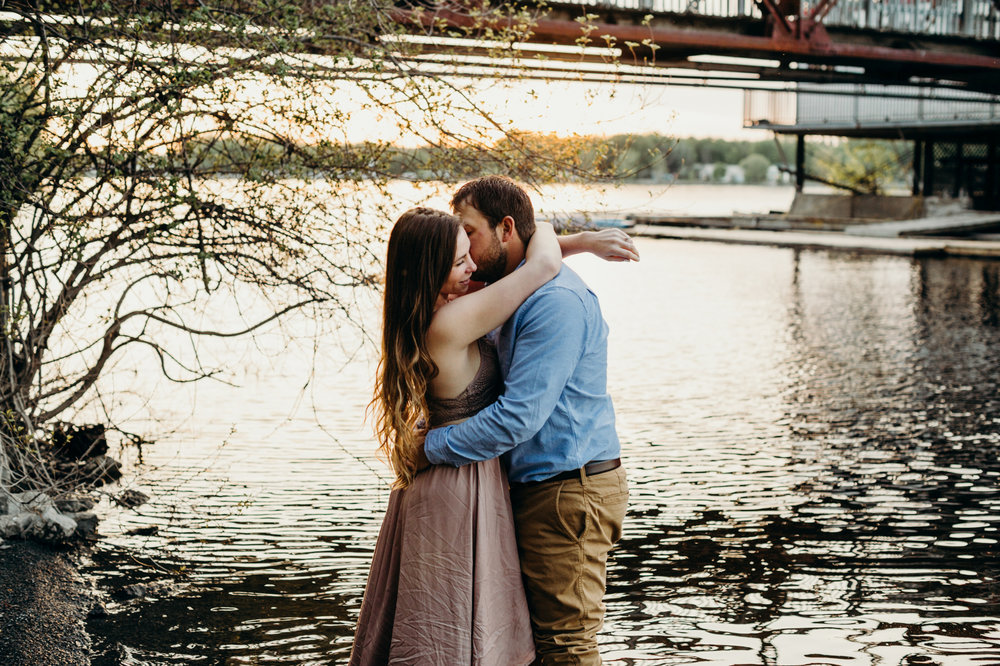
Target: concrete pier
column 928, row 226
column 828, row 240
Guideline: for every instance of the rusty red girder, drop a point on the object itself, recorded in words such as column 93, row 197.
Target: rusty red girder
column 780, row 45
column 778, row 16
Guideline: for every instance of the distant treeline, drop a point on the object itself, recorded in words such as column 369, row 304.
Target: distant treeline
column 627, row 157
column 861, row 165
column 646, row 156
column 865, row 165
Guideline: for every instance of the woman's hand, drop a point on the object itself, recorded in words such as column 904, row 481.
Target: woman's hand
column 608, row 244
column 543, row 250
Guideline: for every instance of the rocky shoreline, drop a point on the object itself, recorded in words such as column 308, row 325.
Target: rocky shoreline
column 44, row 604
column 44, row 600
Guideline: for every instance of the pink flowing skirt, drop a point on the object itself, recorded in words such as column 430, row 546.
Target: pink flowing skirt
column 445, row 584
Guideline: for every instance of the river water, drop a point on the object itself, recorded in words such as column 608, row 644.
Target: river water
column 811, row 439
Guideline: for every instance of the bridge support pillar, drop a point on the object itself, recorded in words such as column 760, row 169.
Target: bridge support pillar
column 992, row 183
column 918, row 175
column 928, row 167
column 800, row 162
column 959, row 180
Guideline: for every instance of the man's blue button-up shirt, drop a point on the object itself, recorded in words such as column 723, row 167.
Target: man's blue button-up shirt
column 555, row 413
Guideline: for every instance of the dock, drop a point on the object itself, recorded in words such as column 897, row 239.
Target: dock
column 898, row 225
column 928, row 226
column 827, row 240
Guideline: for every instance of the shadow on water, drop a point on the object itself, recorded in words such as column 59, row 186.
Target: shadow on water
column 820, row 488
column 258, row 618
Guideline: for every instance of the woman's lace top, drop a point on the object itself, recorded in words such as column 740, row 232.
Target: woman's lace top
column 482, row 391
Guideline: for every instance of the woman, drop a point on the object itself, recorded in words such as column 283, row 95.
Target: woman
column 445, row 585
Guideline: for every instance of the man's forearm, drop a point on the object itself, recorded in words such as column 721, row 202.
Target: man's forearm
column 480, row 438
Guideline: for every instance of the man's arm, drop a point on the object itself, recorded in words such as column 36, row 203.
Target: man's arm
column 547, row 347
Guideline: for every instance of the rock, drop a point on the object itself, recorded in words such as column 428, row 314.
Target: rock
column 35, row 516
column 32, row 500
column 79, row 442
column 51, row 527
column 24, row 510
column 140, row 590
column 136, row 591
column 149, row 530
column 102, row 469
column 75, row 504
column 86, row 523
column 98, row 611
column 13, row 526
column 131, row 498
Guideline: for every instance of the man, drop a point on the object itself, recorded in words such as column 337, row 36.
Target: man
column 555, row 423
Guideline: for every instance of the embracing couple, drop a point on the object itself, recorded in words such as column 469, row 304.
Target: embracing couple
column 494, row 545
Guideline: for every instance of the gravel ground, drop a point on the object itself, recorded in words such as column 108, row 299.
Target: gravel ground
column 43, row 607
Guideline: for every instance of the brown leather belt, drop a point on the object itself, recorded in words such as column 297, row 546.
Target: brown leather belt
column 591, row 469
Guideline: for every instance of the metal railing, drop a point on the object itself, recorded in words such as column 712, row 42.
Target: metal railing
column 761, row 108
column 961, row 18
column 857, row 106
column 723, row 8
column 966, row 18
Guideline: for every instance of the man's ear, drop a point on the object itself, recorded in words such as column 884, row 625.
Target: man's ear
column 508, row 229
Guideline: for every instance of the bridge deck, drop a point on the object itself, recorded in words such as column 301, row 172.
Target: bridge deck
column 954, row 44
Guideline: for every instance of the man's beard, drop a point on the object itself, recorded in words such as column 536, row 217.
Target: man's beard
column 491, row 265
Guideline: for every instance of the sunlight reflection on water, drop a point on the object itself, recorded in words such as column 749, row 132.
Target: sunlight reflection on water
column 810, row 439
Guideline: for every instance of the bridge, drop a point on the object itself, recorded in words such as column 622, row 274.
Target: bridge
column 927, row 71
column 950, row 44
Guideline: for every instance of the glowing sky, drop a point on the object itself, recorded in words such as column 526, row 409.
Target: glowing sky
column 568, row 108
column 563, row 107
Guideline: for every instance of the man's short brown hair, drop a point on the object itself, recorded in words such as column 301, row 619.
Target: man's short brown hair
column 496, row 197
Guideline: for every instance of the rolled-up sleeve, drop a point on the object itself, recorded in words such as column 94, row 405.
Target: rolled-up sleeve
column 549, row 338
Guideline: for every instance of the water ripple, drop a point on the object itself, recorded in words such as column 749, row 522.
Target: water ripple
column 811, row 445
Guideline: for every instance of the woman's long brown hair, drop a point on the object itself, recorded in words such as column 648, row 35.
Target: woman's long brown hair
column 420, row 256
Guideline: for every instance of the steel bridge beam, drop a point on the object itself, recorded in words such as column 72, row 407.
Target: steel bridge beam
column 786, row 44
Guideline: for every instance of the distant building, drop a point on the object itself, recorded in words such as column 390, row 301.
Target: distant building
column 775, row 176
column 733, row 174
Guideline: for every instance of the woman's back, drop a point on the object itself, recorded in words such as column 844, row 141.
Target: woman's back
column 483, row 389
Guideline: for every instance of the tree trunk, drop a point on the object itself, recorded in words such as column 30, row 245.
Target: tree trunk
column 6, row 220
column 9, row 417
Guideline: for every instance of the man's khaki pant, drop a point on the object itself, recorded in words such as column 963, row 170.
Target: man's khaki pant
column 564, row 532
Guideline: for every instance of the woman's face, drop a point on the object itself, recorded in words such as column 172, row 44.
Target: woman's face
column 461, row 270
